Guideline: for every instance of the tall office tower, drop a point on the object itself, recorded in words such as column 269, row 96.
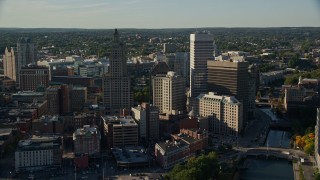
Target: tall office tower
column 201, row 50
column 168, row 93
column 116, row 83
column 170, row 60
column 148, row 120
column 230, row 78
column 224, row 113
column 9, row 64
column 182, row 65
column 32, row 77
column 78, row 98
column 252, row 85
column 26, row 54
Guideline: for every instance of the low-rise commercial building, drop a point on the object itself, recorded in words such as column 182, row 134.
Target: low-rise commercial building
column 38, row 152
column 293, row 98
column 184, row 145
column 120, row 132
column 130, row 157
column 87, row 140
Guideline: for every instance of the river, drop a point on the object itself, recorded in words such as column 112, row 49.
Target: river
column 278, row 138
column 266, row 169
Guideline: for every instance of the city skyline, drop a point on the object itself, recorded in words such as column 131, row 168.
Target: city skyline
column 101, row 14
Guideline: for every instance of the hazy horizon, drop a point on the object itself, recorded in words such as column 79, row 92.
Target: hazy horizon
column 152, row 14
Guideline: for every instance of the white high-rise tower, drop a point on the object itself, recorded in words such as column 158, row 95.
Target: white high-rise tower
column 201, row 50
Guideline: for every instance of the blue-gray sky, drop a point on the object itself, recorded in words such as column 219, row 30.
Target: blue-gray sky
column 158, row 13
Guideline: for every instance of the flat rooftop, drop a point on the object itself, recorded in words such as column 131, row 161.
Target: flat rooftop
column 130, row 154
column 125, row 121
column 39, row 142
column 172, row 146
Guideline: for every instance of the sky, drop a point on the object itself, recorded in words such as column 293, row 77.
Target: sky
column 108, row 14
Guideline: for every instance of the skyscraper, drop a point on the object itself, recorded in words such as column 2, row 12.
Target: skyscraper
column 182, row 65
column 26, row 54
column 116, row 83
column 169, row 93
column 9, row 64
column 201, row 50
column 230, row 78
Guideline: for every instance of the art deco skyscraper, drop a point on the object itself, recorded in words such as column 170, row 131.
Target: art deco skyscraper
column 9, row 64
column 201, row 50
column 116, row 83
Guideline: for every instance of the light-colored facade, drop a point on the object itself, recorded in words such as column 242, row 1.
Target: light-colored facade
column 39, row 152
column 148, row 119
column 116, row 83
column 9, row 64
column 120, row 131
column 32, row 77
column 169, row 93
column 201, row 50
column 224, row 113
column 86, row 140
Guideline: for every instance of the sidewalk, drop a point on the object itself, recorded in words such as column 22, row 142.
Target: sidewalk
column 295, row 167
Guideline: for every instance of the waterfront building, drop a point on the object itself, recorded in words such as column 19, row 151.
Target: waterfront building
column 184, row 145
column 294, row 98
column 224, row 113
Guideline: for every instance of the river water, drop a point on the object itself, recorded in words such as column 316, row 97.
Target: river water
column 270, row 169
column 278, row 138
